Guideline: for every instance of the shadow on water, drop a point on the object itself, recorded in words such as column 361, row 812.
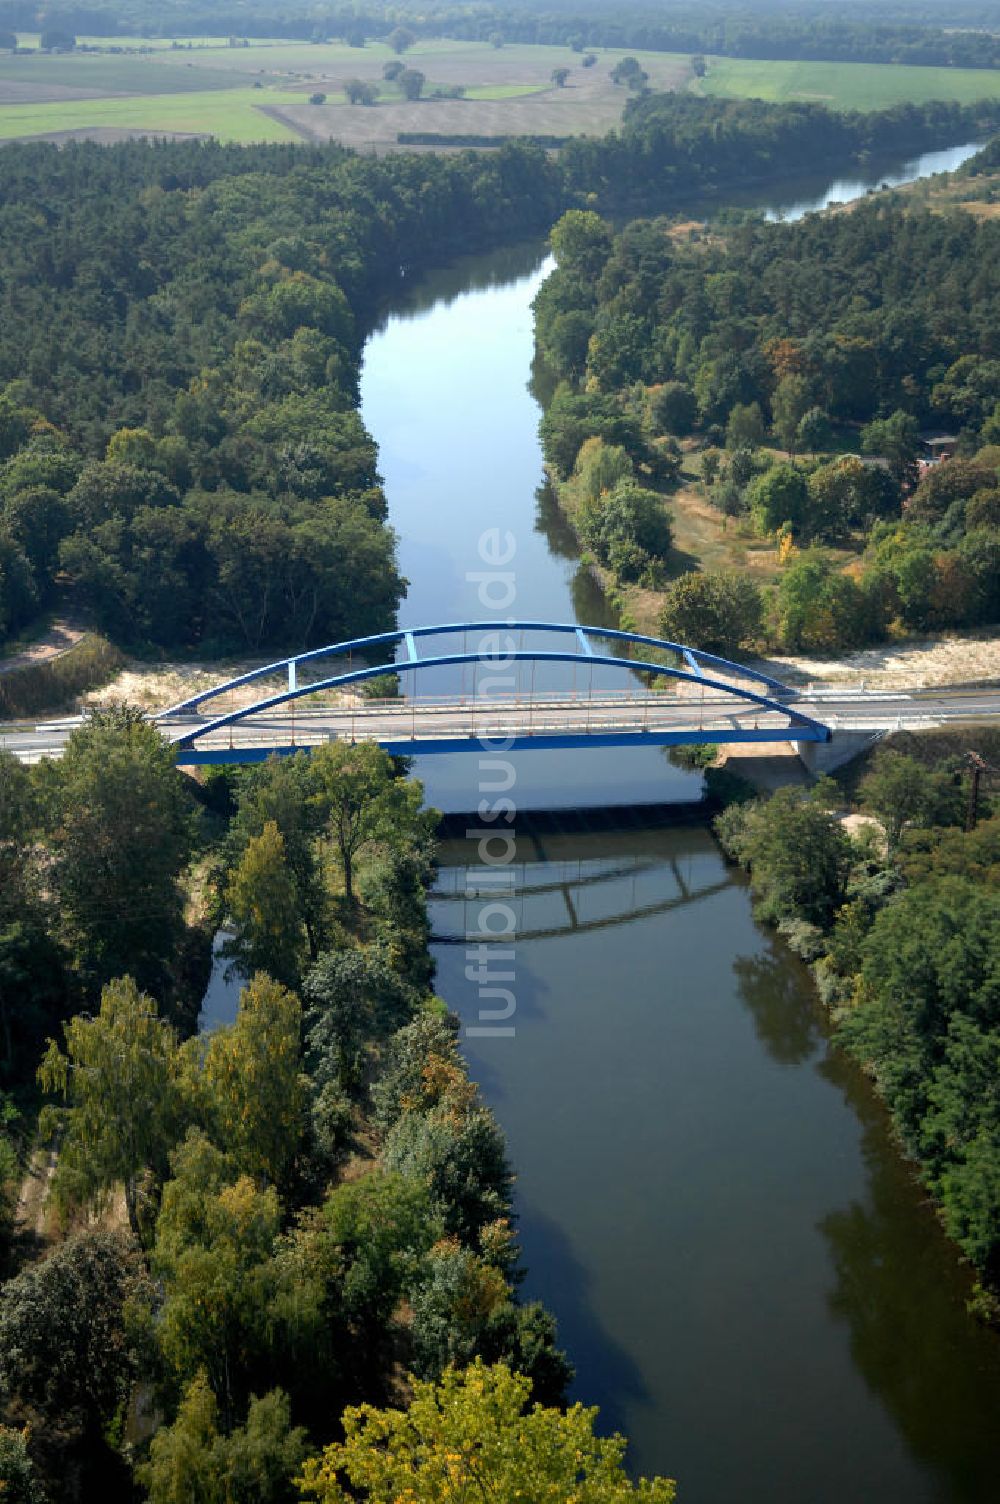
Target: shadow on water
column 558, row 1279
column 466, row 274
column 901, row 1293
column 554, row 525
column 590, row 604
column 772, row 987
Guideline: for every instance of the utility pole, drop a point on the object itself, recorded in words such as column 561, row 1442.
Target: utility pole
column 977, row 767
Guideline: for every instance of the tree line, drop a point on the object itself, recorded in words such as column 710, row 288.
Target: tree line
column 802, row 31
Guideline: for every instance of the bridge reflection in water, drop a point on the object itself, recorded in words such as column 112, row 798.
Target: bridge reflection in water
column 554, row 892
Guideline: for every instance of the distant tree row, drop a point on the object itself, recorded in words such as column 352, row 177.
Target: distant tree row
column 775, row 30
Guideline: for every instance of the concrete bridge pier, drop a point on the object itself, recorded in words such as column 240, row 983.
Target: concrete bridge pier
column 843, row 747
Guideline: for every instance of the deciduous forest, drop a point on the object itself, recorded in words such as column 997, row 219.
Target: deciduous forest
column 804, row 360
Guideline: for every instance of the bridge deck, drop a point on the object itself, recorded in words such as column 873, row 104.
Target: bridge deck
column 408, row 727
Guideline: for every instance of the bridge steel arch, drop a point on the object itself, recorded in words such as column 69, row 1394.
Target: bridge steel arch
column 701, row 669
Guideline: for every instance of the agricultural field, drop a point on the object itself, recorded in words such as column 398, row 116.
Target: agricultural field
column 261, row 92
column 238, row 114
column 509, row 91
column 846, row 86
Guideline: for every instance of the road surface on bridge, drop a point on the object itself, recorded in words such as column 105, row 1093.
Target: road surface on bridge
column 449, row 725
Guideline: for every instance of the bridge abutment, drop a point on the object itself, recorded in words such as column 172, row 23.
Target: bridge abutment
column 843, row 747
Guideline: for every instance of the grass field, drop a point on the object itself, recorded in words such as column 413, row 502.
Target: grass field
column 102, row 75
column 229, row 114
column 847, row 86
column 260, row 92
column 209, row 90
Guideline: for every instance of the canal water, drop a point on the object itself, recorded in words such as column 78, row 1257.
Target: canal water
column 746, row 1276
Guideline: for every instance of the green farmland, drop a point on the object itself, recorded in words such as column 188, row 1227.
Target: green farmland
column 261, row 92
column 229, row 114
column 846, row 86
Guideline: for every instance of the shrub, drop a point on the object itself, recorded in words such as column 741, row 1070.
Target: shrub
column 55, row 684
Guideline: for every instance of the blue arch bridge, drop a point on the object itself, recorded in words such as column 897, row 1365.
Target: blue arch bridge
column 503, row 685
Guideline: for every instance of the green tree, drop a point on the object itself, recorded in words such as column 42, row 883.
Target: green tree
column 365, row 803
column 710, row 462
column 814, row 432
column 673, row 408
column 37, row 519
column 600, row 467
column 628, row 528
column 392, row 70
column 215, row 1237
column 581, row 243
column 119, row 1078
column 798, row 854
column 400, row 39
column 469, row 1434
column 411, row 81
column 928, row 960
column 776, row 497
column 18, row 821
column 457, row 1150
column 352, row 996
column 120, row 833
column 895, row 439
column 719, row 612
column 71, row 1338
column 739, row 470
column 789, row 405
column 820, row 610
column 18, row 590
column 254, row 1464
column 452, row 1308
column 56, row 38
column 253, row 1083
column 629, row 71
column 284, row 791
column 559, row 76
column 846, row 493
column 132, row 446
column 262, row 907
column 899, row 791
column 745, row 426
column 365, row 1247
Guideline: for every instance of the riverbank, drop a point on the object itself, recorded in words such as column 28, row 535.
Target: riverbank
column 883, row 925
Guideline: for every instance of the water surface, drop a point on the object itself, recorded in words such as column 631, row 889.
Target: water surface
column 748, row 1279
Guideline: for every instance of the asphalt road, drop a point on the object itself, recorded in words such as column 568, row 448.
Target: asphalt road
column 403, row 720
